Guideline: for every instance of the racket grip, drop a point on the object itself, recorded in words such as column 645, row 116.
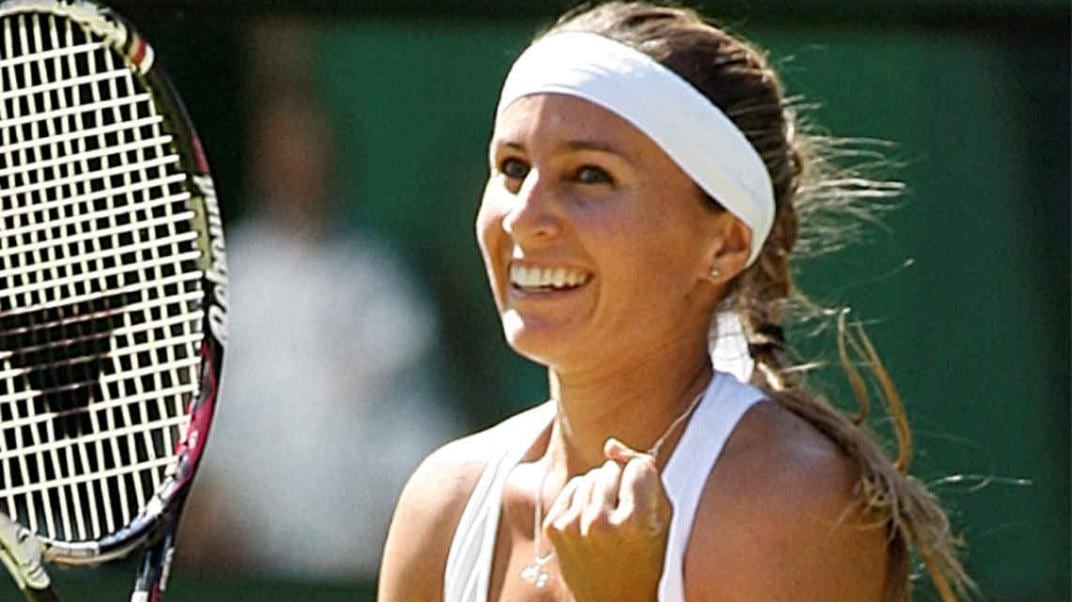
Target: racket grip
column 154, row 569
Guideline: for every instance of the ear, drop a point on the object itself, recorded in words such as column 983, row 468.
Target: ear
column 731, row 256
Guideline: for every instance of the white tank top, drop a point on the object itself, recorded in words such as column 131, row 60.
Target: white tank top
column 468, row 572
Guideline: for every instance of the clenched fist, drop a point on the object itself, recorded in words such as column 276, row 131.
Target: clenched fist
column 609, row 528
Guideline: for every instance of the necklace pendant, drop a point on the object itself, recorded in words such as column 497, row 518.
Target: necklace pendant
column 536, row 575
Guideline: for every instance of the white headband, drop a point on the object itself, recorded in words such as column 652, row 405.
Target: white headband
column 699, row 137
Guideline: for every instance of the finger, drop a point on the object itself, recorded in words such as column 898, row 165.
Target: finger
column 560, row 505
column 641, row 494
column 615, row 450
column 604, row 496
column 607, row 479
column 566, row 524
column 582, row 497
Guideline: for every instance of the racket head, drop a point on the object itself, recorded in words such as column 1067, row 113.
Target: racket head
column 113, row 303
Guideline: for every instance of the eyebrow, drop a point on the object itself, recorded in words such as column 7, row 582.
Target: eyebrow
column 589, row 145
column 578, row 145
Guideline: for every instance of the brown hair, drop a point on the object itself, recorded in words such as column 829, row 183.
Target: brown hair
column 738, row 79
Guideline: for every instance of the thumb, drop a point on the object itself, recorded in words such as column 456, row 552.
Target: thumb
column 615, row 450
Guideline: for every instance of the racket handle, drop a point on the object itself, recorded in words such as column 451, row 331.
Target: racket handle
column 21, row 552
column 154, row 568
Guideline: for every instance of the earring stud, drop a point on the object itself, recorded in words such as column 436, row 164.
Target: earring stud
column 715, row 272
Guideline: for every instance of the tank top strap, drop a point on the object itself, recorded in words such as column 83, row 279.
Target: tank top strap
column 690, row 465
column 468, row 571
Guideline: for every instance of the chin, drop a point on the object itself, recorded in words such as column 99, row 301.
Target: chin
column 541, row 343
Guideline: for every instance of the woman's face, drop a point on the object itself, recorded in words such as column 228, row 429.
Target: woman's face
column 596, row 244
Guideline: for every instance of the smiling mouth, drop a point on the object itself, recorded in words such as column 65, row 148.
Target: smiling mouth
column 546, row 279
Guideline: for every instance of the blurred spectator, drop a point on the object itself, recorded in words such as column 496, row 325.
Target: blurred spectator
column 329, row 397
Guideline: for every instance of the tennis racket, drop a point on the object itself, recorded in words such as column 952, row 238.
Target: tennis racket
column 112, row 296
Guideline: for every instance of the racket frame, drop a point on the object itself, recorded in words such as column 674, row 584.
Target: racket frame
column 158, row 519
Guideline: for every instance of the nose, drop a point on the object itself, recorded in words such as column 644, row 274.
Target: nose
column 533, row 215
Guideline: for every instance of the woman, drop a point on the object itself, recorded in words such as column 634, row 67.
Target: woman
column 645, row 171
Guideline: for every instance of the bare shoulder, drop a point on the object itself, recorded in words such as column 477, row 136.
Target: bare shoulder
column 779, row 519
column 428, row 512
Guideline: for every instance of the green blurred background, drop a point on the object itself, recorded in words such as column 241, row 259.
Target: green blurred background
column 966, row 285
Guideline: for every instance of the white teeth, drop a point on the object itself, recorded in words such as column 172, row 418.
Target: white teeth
column 536, row 277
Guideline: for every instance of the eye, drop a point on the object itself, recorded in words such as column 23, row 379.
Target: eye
column 514, row 168
column 590, row 174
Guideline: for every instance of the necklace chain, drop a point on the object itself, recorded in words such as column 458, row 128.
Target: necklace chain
column 535, row 573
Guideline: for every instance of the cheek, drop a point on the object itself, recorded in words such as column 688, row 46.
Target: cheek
column 489, row 234
column 488, row 220
column 659, row 257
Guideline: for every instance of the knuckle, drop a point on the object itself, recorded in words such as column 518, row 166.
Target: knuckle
column 662, row 515
column 622, row 518
column 586, row 480
column 641, row 468
column 645, row 466
column 566, row 526
column 594, row 522
column 572, row 484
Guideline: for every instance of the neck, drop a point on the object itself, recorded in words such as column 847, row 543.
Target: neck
column 634, row 403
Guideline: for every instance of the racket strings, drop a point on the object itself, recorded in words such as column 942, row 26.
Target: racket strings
column 100, row 290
